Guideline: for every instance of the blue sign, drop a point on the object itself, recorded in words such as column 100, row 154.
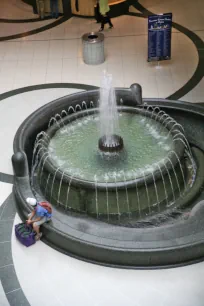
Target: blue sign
column 159, row 37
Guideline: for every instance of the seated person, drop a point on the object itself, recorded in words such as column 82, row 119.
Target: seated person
column 41, row 213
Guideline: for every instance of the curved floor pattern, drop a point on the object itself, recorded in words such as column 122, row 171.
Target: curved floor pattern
column 134, row 67
column 9, row 280
column 71, row 281
column 27, row 32
column 60, row 60
column 198, row 74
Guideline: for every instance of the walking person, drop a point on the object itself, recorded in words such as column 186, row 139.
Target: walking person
column 104, row 9
column 54, row 8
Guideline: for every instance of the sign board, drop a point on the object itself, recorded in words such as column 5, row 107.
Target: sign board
column 159, row 37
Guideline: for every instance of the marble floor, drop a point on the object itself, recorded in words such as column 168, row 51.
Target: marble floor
column 48, row 58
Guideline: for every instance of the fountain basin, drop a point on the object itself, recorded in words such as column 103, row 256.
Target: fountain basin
column 112, row 198
column 177, row 242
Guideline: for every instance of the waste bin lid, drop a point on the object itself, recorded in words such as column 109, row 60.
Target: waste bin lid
column 93, row 37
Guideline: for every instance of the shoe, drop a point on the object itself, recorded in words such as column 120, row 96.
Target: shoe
column 101, row 30
column 37, row 237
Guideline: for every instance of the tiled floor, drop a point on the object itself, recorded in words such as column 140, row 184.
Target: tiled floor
column 187, row 13
column 55, row 56
column 16, row 9
column 24, row 63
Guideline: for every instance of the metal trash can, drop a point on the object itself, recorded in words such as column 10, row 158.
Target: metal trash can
column 93, row 48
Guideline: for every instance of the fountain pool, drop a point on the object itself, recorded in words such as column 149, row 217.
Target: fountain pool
column 113, row 171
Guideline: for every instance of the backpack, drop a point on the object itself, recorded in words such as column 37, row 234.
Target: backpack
column 25, row 234
column 46, row 206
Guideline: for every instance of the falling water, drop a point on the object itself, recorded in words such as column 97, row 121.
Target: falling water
column 127, row 198
column 78, row 107
column 92, row 104
column 137, row 193
column 156, row 191
column 48, row 178
column 186, row 144
column 84, row 105
column 53, row 182
column 96, row 191
column 177, row 181
column 59, row 119
column 175, row 124
column 159, row 113
column 36, row 163
column 121, row 102
column 107, row 200
column 164, row 184
column 72, row 109
column 154, row 111
column 147, row 192
column 170, row 180
column 59, row 190
column 67, row 198
column 39, row 143
column 41, row 169
column 108, row 108
column 64, row 112
column 184, row 181
column 117, row 199
column 51, row 122
column 166, row 121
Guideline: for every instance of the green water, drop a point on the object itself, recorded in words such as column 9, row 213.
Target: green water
column 74, row 148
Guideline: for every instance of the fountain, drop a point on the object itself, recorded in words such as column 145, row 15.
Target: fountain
column 108, row 117
column 114, row 166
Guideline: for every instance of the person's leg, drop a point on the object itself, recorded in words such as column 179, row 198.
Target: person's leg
column 103, row 21
column 109, row 21
column 97, row 14
column 35, row 10
column 36, row 227
column 56, row 9
column 52, row 8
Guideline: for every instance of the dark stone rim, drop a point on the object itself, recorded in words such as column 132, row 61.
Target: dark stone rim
column 104, row 251
column 182, row 250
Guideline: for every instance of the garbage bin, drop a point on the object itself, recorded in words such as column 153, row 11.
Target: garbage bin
column 93, row 48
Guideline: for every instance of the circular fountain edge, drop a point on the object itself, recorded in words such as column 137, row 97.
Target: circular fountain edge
column 49, row 165
column 80, row 238
column 177, row 255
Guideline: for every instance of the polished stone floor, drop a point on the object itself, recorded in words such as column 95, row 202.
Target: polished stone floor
column 49, row 53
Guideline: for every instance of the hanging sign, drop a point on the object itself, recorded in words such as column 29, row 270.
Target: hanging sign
column 159, row 37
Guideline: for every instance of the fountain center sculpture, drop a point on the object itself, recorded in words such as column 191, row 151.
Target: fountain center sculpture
column 109, row 125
